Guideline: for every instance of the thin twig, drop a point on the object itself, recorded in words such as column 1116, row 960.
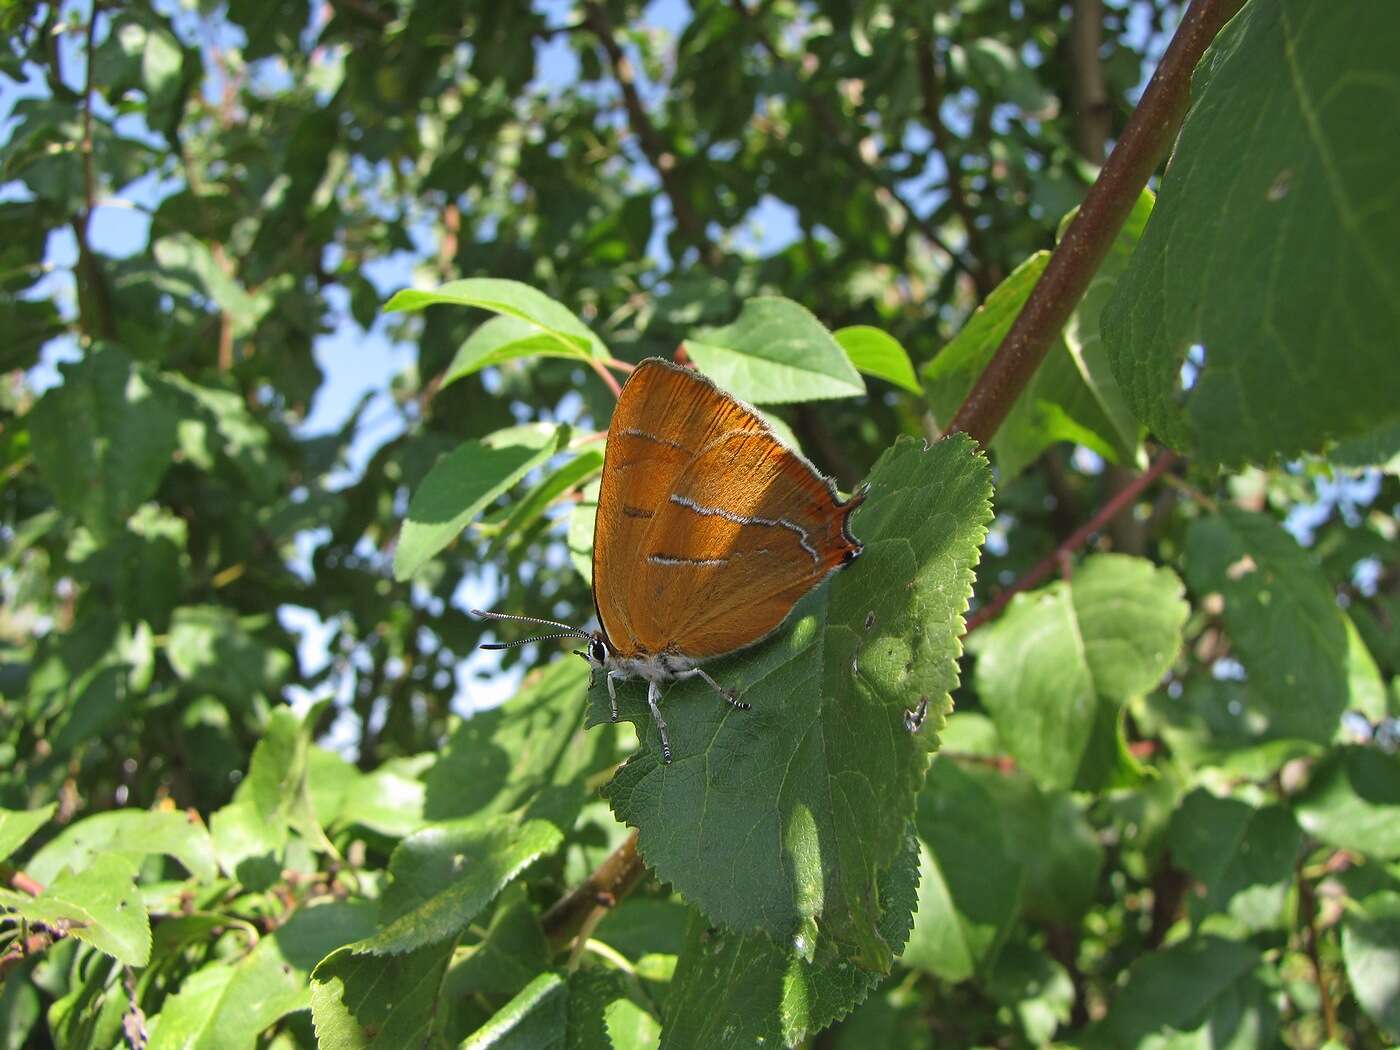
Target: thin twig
column 98, row 299
column 606, row 377
column 1086, row 243
column 584, row 905
column 1120, row 501
column 1307, row 907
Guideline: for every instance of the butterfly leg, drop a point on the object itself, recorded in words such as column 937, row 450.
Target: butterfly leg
column 654, row 694
column 731, row 696
column 613, row 676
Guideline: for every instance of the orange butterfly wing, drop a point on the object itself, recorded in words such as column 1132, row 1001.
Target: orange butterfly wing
column 726, row 529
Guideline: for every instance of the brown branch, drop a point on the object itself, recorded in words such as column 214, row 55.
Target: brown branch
column 1086, row 243
column 654, row 146
column 1119, row 502
column 582, row 906
column 1089, row 94
column 986, row 274
column 26, row 948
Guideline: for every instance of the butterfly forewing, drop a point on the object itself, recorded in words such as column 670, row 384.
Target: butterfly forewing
column 712, row 529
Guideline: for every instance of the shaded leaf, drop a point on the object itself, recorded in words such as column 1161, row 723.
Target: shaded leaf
column 360, row 1001
column 536, row 1019
column 1353, row 801
column 1371, row 949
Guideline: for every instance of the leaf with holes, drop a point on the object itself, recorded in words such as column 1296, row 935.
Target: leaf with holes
column 771, row 818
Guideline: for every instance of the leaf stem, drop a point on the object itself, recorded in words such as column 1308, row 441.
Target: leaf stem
column 1307, row 908
column 606, row 376
column 1119, row 502
column 1086, row 243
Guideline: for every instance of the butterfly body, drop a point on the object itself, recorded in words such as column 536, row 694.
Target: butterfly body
column 707, row 533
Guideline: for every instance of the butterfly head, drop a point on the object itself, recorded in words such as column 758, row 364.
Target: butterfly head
column 596, row 652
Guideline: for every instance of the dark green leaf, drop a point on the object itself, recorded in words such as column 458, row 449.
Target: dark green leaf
column 793, row 807
column 1272, row 244
column 209, row 648
column 536, row 1019
column 775, row 352
column 464, row 483
column 363, row 1001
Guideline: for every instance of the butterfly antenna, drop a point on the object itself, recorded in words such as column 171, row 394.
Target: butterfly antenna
column 485, row 615
column 526, row 641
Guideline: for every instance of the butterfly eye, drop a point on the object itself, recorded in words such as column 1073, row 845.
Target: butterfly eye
column 597, row 651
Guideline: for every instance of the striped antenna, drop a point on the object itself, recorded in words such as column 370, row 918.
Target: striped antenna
column 568, row 632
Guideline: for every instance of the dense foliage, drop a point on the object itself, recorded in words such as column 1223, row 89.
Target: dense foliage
column 246, row 794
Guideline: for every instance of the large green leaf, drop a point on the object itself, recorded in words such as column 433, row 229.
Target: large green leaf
column 770, row 818
column 536, row 1019
column 510, row 299
column 464, row 483
column 1272, row 248
column 17, row 825
column 444, row 875
column 1353, row 801
column 103, row 439
column 745, row 990
column 227, row 1005
column 1109, row 632
column 99, row 904
column 775, row 352
column 1288, row 631
column 1371, row 948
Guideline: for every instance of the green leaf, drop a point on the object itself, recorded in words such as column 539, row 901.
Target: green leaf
column 878, row 354
column 362, row 1001
column 103, row 440
column 534, row 503
column 1084, row 340
column 190, row 262
column 510, row 299
column 464, row 483
column 536, row 1019
column 969, row 882
column 17, row 825
column 1111, row 632
column 100, row 905
column 775, row 352
column 746, row 990
column 444, row 875
column 1281, row 614
column 511, row 954
column 1272, row 246
column 505, row 339
column 132, row 834
column 1371, row 950
column 1198, row 983
column 226, row 1005
column 390, row 800
column 580, row 538
column 1353, row 802
column 792, row 808
column 1037, row 988
column 1243, row 856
